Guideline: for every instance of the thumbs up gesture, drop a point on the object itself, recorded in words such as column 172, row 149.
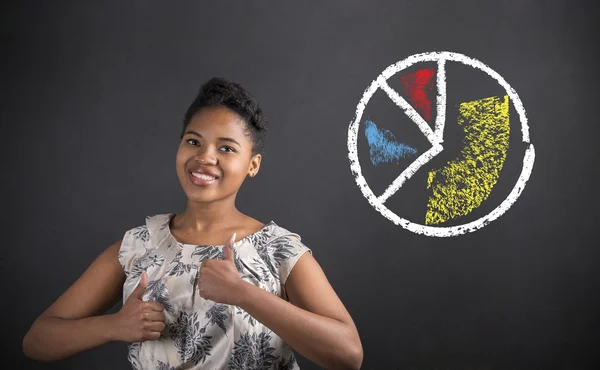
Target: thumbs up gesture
column 219, row 280
column 138, row 320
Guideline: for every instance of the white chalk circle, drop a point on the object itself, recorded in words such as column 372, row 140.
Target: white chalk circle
column 435, row 137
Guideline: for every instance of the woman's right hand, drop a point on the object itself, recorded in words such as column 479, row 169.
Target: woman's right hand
column 138, row 320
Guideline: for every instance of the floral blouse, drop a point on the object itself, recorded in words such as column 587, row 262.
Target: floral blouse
column 200, row 333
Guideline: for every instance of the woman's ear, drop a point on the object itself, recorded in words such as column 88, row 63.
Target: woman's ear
column 254, row 165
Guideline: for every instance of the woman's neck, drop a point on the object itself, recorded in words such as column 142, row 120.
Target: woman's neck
column 204, row 217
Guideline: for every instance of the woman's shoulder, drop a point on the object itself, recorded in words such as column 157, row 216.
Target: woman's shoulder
column 280, row 249
column 275, row 236
column 142, row 241
column 277, row 231
column 148, row 232
column 149, row 225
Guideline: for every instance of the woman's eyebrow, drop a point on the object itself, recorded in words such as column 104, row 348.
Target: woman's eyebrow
column 192, row 133
column 231, row 140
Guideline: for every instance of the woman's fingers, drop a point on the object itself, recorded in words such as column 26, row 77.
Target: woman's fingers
column 153, row 316
column 155, row 306
column 155, row 326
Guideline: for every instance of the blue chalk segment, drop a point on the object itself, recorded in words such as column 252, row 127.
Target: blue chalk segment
column 383, row 146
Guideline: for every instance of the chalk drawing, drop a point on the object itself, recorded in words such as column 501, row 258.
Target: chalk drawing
column 453, row 194
column 463, row 184
column 417, row 86
column 383, row 146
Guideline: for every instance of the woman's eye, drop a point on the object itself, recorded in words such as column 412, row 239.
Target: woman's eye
column 192, row 141
column 228, row 149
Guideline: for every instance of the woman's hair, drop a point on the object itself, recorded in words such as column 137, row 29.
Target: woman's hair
column 221, row 92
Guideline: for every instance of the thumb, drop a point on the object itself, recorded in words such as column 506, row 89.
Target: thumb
column 228, row 250
column 139, row 290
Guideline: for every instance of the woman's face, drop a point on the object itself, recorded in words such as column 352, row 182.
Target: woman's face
column 215, row 155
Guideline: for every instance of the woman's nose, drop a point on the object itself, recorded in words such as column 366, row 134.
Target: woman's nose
column 206, row 157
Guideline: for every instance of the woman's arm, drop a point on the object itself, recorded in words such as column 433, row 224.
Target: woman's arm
column 315, row 323
column 70, row 324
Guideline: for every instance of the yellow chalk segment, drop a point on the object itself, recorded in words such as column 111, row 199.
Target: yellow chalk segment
column 464, row 183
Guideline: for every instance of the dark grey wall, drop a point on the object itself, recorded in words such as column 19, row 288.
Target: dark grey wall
column 92, row 99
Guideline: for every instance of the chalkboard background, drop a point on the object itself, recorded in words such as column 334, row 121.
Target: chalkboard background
column 93, row 95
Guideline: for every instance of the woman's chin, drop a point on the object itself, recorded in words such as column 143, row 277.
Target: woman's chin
column 201, row 198
column 205, row 196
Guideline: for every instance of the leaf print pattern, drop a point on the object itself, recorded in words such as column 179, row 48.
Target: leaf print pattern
column 262, row 270
column 120, row 257
column 208, row 334
column 237, row 262
column 165, row 229
column 287, row 364
column 191, row 343
column 158, row 291
column 217, row 315
column 163, row 366
column 133, row 355
column 180, row 267
column 216, row 253
column 165, row 225
column 282, row 250
column 210, row 252
column 253, row 274
column 260, row 238
column 246, row 316
column 274, row 253
column 252, row 352
column 141, row 233
column 145, row 262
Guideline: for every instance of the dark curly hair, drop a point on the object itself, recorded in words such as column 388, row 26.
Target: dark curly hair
column 221, row 92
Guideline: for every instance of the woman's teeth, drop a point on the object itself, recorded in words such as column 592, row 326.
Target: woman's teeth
column 203, row 176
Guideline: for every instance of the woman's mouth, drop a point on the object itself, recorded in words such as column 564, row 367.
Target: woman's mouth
column 201, row 179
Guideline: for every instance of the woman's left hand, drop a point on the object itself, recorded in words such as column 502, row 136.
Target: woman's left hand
column 219, row 280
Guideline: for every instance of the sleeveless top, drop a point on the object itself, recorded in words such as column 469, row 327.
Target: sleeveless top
column 200, row 333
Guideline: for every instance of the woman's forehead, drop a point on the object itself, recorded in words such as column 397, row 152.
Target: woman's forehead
column 217, row 121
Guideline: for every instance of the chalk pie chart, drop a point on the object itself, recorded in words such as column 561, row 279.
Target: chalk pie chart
column 463, row 183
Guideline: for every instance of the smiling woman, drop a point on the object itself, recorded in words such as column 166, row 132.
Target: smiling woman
column 211, row 287
column 216, row 154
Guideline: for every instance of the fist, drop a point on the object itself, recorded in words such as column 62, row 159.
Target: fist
column 219, row 280
column 138, row 320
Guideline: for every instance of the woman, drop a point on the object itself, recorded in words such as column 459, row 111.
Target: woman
column 209, row 288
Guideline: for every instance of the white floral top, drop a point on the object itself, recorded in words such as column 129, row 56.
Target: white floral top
column 200, row 333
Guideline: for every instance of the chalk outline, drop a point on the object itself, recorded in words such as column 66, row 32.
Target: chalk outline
column 435, row 138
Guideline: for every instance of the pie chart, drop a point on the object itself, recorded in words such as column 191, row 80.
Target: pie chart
column 457, row 187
